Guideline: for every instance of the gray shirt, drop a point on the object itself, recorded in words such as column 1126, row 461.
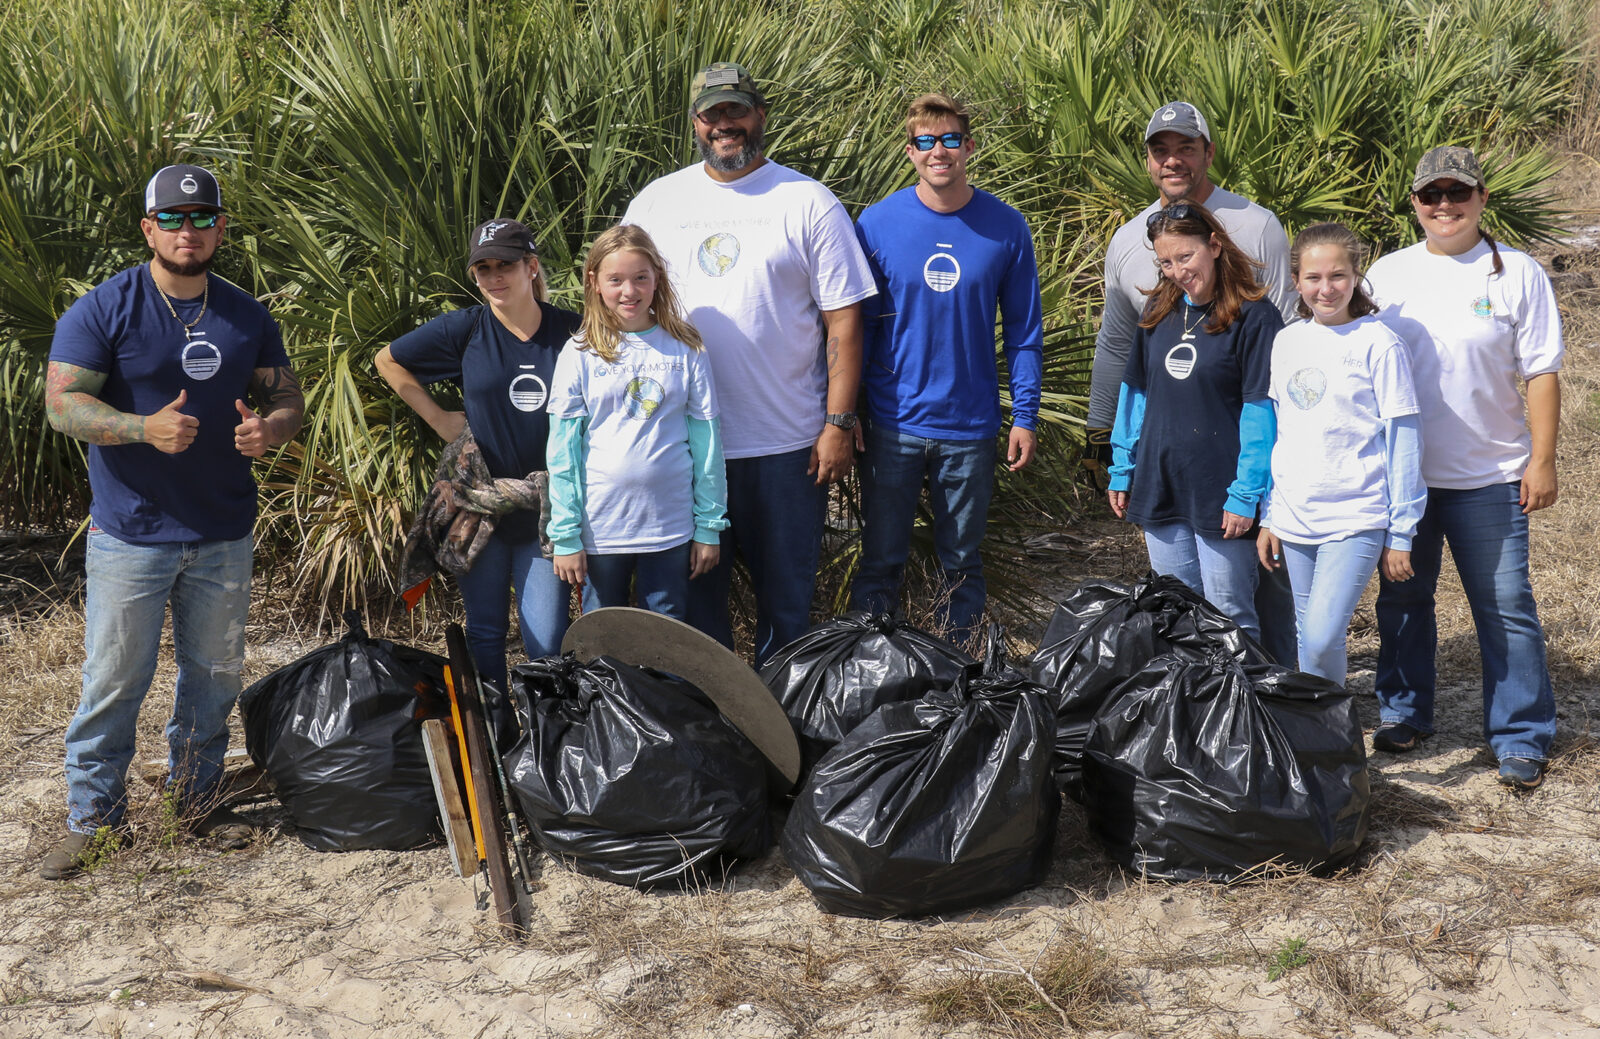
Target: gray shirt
column 1131, row 267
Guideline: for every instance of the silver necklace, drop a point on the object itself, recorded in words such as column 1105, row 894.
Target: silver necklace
column 1188, row 326
column 205, row 300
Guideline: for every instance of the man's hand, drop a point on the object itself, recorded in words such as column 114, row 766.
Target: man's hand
column 250, row 437
column 1023, row 443
column 573, row 568
column 1119, row 503
column 169, row 430
column 832, row 455
column 702, row 558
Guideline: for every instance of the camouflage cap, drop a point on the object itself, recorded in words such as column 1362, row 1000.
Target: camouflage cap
column 1448, row 162
column 721, row 82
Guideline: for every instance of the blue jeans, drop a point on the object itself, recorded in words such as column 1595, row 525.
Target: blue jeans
column 775, row 519
column 125, row 601
column 1223, row 570
column 1276, row 612
column 661, row 580
column 542, row 604
column 1328, row 580
column 960, row 478
column 1488, row 537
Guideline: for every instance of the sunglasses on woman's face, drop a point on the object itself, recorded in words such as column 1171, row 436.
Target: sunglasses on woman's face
column 1432, row 196
column 202, row 221
column 924, row 142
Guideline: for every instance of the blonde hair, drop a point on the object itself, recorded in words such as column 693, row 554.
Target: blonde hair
column 932, row 108
column 1340, row 237
column 600, row 331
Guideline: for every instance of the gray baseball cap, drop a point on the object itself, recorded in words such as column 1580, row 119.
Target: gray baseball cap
column 1180, row 117
column 182, row 186
column 1448, row 162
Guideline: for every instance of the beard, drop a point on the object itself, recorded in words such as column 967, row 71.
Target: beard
column 749, row 152
column 184, row 270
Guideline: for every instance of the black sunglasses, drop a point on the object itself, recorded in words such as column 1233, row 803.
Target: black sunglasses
column 1457, row 193
column 925, row 141
column 1181, row 211
column 202, row 221
column 730, row 110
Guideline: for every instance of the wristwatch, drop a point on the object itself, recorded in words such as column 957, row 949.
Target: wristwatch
column 847, row 420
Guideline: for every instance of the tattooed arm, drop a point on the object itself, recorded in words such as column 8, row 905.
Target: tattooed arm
column 276, row 393
column 831, row 456
column 72, row 402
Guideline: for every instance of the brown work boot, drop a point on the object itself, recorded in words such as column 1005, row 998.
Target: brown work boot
column 67, row 857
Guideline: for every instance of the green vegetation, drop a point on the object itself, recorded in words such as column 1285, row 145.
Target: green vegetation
column 1291, row 955
column 357, row 142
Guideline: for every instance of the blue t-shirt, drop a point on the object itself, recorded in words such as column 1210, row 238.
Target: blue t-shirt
column 123, row 328
column 930, row 362
column 505, row 386
column 1195, row 385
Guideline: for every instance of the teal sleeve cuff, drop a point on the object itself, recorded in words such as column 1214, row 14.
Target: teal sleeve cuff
column 564, row 459
column 1125, row 437
column 710, row 480
column 1408, row 495
column 1258, row 430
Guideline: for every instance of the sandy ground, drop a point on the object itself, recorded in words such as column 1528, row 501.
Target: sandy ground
column 1470, row 912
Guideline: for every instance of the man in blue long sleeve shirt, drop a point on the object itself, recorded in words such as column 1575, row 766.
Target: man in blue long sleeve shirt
column 947, row 257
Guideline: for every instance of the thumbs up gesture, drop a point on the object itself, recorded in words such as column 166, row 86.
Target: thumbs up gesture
column 250, row 435
column 170, row 430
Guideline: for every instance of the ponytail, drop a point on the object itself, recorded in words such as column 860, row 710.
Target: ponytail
column 1499, row 267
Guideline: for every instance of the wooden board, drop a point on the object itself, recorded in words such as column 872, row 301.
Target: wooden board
column 439, row 742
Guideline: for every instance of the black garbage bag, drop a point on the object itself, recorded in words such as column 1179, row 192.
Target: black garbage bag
column 1104, row 632
column 835, row 675
column 339, row 733
column 632, row 775
column 1209, row 769
column 933, row 805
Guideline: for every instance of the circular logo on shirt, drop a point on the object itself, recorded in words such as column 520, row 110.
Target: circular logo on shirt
column 1180, row 360
column 941, row 272
column 528, row 392
column 1306, row 387
column 644, row 397
column 718, row 254
column 200, row 360
column 1481, row 307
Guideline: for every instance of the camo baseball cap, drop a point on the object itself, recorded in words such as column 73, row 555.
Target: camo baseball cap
column 1180, row 117
column 1448, row 162
column 721, row 82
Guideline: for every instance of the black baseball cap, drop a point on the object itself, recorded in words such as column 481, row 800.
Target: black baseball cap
column 182, row 186
column 501, row 239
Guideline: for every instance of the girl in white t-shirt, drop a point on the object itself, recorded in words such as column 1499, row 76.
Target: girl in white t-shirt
column 637, row 489
column 1347, row 488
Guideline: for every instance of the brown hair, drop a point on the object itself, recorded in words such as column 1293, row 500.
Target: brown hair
column 540, row 292
column 930, row 108
column 1355, row 252
column 1236, row 272
column 600, row 331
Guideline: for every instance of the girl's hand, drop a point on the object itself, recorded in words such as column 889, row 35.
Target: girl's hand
column 572, row 569
column 1235, row 525
column 449, row 425
column 1119, row 503
column 1396, row 565
column 702, row 558
column 1269, row 549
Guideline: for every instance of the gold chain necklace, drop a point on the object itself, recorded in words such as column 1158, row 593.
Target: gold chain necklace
column 1188, row 328
column 205, row 300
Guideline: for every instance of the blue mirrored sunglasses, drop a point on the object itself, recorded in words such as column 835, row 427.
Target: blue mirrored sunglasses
column 926, row 141
column 201, row 221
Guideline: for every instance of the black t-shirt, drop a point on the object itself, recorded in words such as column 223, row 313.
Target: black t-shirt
column 505, row 385
column 1195, row 386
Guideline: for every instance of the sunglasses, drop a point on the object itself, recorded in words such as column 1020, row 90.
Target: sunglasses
column 924, row 142
column 1432, row 196
column 714, row 115
column 1161, row 217
column 202, row 221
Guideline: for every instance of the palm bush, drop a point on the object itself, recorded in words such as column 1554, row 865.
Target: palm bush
column 359, row 140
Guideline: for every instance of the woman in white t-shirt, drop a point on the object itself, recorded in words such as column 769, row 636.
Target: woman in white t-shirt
column 638, row 495
column 1347, row 486
column 1478, row 317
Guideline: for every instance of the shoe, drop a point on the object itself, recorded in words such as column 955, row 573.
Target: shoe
column 67, row 857
column 227, row 827
column 1396, row 737
column 1521, row 773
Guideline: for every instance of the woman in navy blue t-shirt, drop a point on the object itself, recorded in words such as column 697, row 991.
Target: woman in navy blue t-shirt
column 1194, row 429
column 503, row 355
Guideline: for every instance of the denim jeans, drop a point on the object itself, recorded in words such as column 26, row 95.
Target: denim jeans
column 1275, row 611
column 660, row 579
column 129, row 587
column 960, row 479
column 1488, row 536
column 1224, row 570
column 1328, row 580
column 775, row 519
column 542, row 604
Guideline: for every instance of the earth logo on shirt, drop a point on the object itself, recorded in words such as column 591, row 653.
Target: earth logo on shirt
column 528, row 392
column 941, row 272
column 1180, row 360
column 718, row 254
column 200, row 360
column 1481, row 307
column 644, row 397
column 1307, row 387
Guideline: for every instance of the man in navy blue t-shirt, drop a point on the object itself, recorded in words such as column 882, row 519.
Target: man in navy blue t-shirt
column 947, row 257
column 153, row 369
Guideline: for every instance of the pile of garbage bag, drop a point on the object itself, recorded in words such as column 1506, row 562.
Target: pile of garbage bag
column 632, row 775
column 339, row 733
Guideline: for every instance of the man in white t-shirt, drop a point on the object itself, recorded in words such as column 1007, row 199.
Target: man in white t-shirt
column 1178, row 154
column 767, row 266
